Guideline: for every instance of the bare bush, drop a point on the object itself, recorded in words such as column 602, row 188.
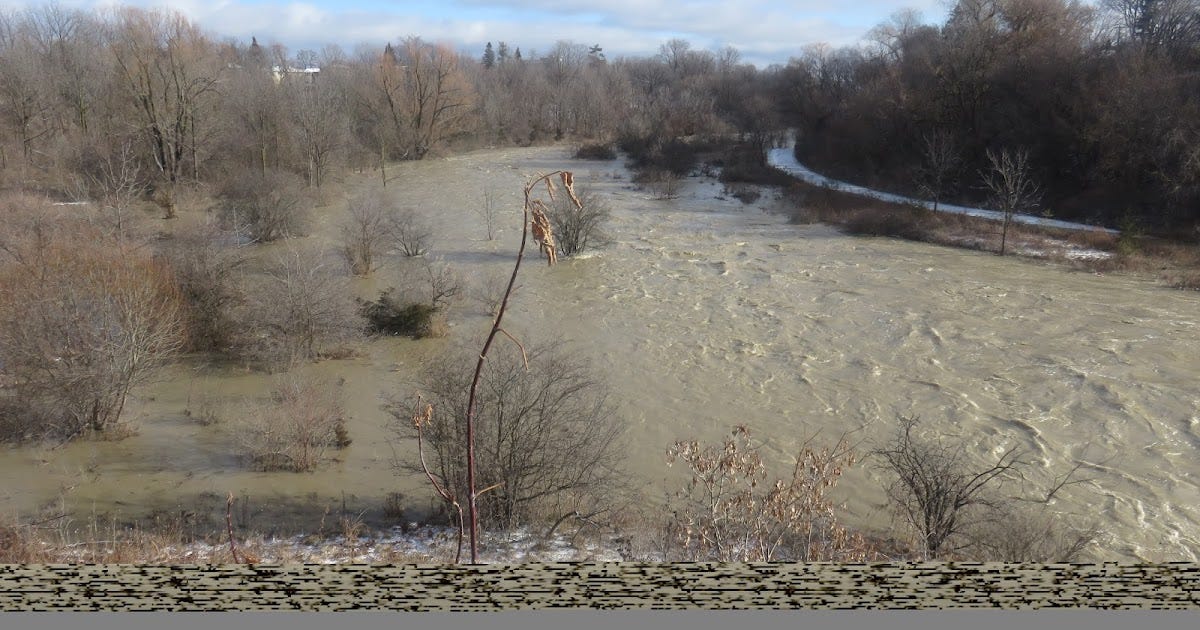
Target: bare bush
column 664, row 184
column 578, row 227
column 546, row 436
column 488, row 291
column 299, row 310
column 297, row 429
column 1029, row 534
column 438, row 283
column 409, row 233
column 265, row 206
column 208, row 265
column 365, row 232
column 730, row 510
column 83, row 319
column 935, row 491
column 114, row 181
column 489, row 213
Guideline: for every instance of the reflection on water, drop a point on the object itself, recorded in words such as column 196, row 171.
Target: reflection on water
column 706, row 313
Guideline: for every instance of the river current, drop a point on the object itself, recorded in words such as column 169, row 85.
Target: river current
column 703, row 313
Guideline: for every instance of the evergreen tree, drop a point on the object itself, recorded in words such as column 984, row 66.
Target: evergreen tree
column 517, row 55
column 489, row 56
column 256, row 56
column 502, row 52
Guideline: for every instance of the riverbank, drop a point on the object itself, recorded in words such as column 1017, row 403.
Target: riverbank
column 862, row 211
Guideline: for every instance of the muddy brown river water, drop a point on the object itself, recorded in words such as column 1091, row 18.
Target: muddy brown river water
column 704, row 313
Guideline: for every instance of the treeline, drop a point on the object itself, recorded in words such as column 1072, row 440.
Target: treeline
column 1105, row 99
column 147, row 97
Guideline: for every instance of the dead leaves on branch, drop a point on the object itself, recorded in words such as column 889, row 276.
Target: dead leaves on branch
column 539, row 220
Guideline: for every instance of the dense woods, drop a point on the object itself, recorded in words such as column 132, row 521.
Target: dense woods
column 1104, row 98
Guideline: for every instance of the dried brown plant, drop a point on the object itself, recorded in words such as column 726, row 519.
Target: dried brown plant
column 731, row 511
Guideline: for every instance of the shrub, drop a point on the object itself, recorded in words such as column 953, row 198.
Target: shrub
column 391, row 315
column 595, row 152
column 83, row 319
column 577, row 228
column 296, row 430
column 365, row 232
column 298, row 310
column 1029, row 534
column 742, row 193
column 873, row 222
column 265, row 206
column 208, row 268
column 547, row 440
column 662, row 184
column 730, row 511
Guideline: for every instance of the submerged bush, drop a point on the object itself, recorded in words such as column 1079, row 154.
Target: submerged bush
column 391, row 315
column 296, row 430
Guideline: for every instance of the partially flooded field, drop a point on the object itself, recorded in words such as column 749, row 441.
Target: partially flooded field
column 704, row 313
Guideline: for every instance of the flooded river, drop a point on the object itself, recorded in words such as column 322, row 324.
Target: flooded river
column 704, row 313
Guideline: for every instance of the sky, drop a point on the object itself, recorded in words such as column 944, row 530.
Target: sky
column 763, row 31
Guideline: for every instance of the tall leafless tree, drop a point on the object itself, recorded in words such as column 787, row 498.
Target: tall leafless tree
column 941, row 161
column 169, row 70
column 1012, row 187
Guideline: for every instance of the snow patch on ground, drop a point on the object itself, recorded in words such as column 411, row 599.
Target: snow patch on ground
column 428, row 544
column 785, row 160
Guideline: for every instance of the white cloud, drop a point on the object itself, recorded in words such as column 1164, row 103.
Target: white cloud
column 764, row 31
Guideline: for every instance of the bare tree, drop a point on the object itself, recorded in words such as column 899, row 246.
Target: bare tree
column 257, row 116
column 1012, row 187
column 941, row 161
column 319, row 109
column 24, row 103
column 170, row 70
column 415, row 96
column 487, row 211
column 439, row 98
column 935, row 491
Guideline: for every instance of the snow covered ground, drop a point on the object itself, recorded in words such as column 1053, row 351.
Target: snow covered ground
column 785, row 160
